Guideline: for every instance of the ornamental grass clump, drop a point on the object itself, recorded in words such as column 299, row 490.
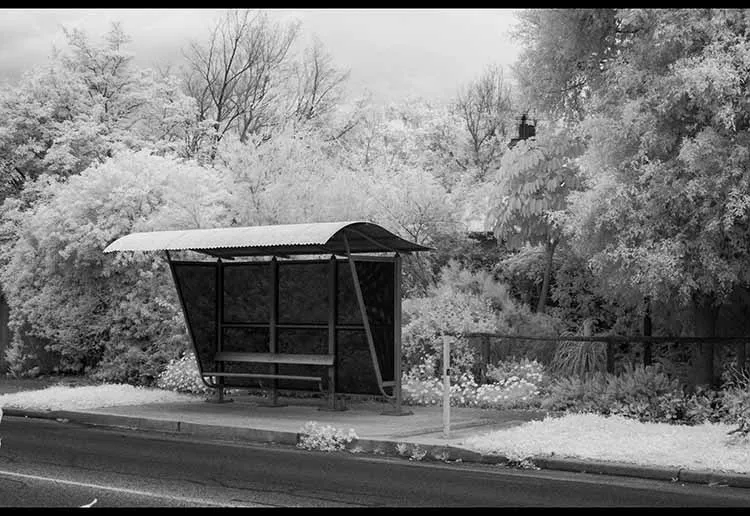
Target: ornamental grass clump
column 314, row 436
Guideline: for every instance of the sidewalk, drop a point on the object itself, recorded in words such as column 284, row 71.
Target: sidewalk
column 417, row 436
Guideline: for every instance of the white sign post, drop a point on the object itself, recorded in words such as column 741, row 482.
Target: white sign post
column 446, row 389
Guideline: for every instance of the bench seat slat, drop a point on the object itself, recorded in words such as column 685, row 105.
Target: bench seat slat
column 275, row 358
column 271, row 376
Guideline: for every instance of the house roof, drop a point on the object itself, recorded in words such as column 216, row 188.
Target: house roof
column 284, row 239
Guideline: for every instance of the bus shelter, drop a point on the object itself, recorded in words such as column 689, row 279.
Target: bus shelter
column 312, row 307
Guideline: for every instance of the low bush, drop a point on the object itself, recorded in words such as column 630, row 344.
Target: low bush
column 508, row 371
column 650, row 395
column 182, row 375
column 314, row 436
column 637, row 392
column 466, row 393
column 131, row 364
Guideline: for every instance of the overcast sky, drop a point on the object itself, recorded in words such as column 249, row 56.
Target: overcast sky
column 393, row 53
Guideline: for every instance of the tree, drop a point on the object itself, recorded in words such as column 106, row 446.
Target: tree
column 84, row 106
column 484, row 107
column 281, row 181
column 86, row 306
column 533, row 182
column 235, row 76
column 666, row 211
column 319, row 84
column 564, row 55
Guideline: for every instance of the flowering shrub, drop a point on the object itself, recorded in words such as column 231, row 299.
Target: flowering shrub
column 507, row 372
column 518, row 393
column 182, row 375
column 314, row 436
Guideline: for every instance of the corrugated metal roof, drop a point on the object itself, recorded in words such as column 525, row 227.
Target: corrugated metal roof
column 312, row 238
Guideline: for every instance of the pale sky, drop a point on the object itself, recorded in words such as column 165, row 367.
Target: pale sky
column 393, row 53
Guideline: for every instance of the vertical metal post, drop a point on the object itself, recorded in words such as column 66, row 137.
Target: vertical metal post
column 446, row 389
column 219, row 327
column 219, row 315
column 273, row 333
column 397, row 330
column 332, row 316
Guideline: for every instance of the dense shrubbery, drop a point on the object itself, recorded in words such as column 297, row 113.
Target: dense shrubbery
column 131, row 364
column 606, row 393
column 644, row 393
column 465, row 301
column 648, row 394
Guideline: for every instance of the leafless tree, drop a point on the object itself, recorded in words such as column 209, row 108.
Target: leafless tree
column 485, row 109
column 319, row 83
column 235, row 76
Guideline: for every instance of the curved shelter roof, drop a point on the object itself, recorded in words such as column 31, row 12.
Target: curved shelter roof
column 284, row 239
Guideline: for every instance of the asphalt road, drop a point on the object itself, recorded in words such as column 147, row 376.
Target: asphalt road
column 55, row 464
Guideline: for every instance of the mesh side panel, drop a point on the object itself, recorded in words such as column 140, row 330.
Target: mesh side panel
column 197, row 286
column 376, row 283
column 355, row 372
column 247, row 292
column 303, row 292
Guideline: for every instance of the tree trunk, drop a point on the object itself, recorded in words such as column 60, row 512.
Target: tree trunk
column 549, row 251
column 705, row 314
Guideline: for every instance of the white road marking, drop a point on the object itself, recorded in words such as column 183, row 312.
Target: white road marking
column 122, row 490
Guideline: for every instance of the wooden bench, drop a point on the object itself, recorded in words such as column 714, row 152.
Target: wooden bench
column 272, row 358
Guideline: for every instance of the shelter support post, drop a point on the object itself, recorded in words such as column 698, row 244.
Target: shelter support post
column 219, row 391
column 273, row 334
column 398, row 410
column 331, row 402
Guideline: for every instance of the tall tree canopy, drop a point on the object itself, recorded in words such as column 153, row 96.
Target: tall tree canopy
column 86, row 104
column 666, row 119
column 532, row 184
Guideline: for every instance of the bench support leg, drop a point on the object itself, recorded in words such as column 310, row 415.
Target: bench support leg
column 332, row 403
column 397, row 408
column 273, row 396
column 273, row 400
column 218, row 395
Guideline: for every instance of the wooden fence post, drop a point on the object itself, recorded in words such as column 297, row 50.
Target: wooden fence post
column 610, row 356
column 647, row 333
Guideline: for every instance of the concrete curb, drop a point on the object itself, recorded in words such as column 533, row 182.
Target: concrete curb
column 394, row 448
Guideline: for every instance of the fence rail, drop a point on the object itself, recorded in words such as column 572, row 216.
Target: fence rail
column 610, row 341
